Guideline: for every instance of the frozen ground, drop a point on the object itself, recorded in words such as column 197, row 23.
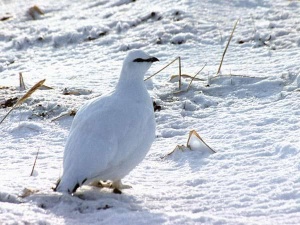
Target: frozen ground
column 251, row 120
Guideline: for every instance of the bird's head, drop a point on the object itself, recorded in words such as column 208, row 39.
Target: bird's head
column 137, row 62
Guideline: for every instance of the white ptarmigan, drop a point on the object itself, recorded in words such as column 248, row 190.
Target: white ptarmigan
column 112, row 134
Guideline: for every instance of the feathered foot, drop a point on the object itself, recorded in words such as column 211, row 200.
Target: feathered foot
column 115, row 185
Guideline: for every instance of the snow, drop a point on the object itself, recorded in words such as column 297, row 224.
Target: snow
column 249, row 114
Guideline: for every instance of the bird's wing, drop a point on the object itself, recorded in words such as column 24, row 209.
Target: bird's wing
column 101, row 137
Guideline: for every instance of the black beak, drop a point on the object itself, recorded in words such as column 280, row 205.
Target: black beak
column 152, row 59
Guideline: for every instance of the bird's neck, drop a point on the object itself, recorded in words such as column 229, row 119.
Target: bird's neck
column 131, row 85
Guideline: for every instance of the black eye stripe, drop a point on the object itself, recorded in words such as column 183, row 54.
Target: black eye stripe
column 139, row 60
column 152, row 59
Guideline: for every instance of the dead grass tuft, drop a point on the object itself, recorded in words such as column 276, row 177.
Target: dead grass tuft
column 187, row 146
column 24, row 97
column 35, row 12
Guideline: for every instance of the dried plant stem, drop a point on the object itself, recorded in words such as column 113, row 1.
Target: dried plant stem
column 225, row 50
column 236, row 75
column 61, row 116
column 71, row 113
column 30, row 92
column 180, row 147
column 198, row 136
column 162, row 69
column 6, row 115
column 195, row 77
column 183, row 147
column 24, row 97
column 186, row 76
column 37, row 154
column 22, row 84
column 179, row 73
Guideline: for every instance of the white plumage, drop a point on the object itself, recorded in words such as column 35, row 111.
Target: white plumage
column 112, row 134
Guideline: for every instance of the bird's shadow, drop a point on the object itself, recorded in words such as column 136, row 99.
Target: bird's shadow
column 87, row 201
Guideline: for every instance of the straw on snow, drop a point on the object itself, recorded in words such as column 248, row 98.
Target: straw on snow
column 179, row 63
column 182, row 147
column 22, row 84
column 225, row 50
column 37, row 154
column 24, row 97
column 193, row 132
column 193, row 78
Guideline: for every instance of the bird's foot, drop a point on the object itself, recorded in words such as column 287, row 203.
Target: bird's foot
column 117, row 186
column 110, row 184
column 117, row 191
column 98, row 184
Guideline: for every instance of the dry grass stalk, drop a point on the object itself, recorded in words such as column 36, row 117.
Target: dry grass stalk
column 179, row 81
column 193, row 78
column 193, row 132
column 30, row 92
column 37, row 154
column 24, row 97
column 45, row 87
column 162, row 69
column 179, row 147
column 186, row 76
column 179, row 71
column 184, row 147
column 71, row 113
column 225, row 50
column 22, row 84
column 237, row 75
column 34, row 12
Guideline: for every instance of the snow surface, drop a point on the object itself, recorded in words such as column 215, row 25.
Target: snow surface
column 251, row 120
